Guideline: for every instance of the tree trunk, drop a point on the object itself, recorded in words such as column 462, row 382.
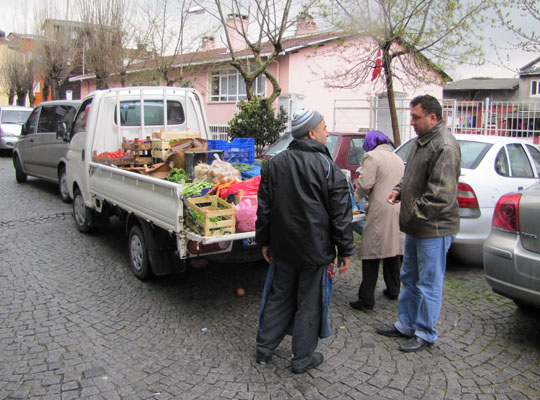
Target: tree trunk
column 21, row 97
column 387, row 60
column 11, row 96
column 46, row 89
column 275, row 85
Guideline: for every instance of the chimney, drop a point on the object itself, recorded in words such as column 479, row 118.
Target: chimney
column 236, row 25
column 305, row 25
column 208, row 43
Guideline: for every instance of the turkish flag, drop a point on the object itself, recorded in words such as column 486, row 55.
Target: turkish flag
column 378, row 66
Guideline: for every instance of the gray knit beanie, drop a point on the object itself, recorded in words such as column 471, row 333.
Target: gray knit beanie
column 303, row 121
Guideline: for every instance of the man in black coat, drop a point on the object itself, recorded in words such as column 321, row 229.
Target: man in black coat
column 304, row 216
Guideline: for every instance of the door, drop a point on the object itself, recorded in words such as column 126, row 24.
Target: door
column 49, row 150
column 27, row 142
column 77, row 155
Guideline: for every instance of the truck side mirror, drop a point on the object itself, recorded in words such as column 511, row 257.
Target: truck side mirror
column 62, row 132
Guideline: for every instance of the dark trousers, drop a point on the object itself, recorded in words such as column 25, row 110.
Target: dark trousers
column 370, row 274
column 295, row 298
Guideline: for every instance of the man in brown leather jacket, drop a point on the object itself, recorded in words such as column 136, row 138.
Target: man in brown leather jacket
column 429, row 216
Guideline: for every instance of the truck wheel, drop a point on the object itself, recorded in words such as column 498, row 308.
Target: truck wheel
column 62, row 186
column 138, row 254
column 20, row 176
column 84, row 218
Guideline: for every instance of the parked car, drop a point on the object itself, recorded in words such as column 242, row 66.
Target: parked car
column 38, row 152
column 11, row 120
column 512, row 250
column 490, row 167
column 345, row 148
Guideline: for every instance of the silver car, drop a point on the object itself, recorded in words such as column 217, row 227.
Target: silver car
column 512, row 250
column 11, row 120
column 38, row 152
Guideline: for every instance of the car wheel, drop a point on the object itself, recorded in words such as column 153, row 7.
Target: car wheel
column 138, row 254
column 62, row 186
column 20, row 176
column 84, row 217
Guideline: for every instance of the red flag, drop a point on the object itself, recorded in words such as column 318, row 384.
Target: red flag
column 377, row 69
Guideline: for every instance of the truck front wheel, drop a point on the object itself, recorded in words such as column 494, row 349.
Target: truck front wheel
column 84, row 218
column 138, row 254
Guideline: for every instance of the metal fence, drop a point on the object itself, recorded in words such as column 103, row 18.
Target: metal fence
column 218, row 132
column 501, row 118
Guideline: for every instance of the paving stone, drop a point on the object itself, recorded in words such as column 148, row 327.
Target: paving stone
column 75, row 323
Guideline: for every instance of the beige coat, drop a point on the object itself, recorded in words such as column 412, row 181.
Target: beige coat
column 381, row 171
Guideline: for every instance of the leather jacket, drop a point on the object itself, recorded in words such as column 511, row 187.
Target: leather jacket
column 304, row 206
column 428, row 190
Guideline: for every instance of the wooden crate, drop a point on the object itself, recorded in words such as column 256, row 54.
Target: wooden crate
column 175, row 135
column 218, row 216
column 113, row 161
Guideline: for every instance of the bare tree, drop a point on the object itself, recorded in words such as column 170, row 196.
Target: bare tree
column 270, row 20
column 105, row 37
column 171, row 39
column 18, row 77
column 512, row 15
column 416, row 35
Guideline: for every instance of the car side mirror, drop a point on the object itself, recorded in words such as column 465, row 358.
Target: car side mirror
column 62, row 132
column 23, row 129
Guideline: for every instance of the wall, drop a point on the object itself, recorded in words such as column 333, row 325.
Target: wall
column 310, row 66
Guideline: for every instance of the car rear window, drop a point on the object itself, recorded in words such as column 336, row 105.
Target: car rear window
column 15, row 116
column 331, row 143
column 472, row 153
column 130, row 113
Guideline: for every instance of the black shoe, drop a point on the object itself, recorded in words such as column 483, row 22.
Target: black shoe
column 359, row 305
column 387, row 293
column 262, row 359
column 390, row 331
column 414, row 344
column 316, row 360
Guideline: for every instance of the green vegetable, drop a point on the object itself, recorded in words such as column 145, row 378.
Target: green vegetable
column 177, row 174
column 242, row 167
column 191, row 189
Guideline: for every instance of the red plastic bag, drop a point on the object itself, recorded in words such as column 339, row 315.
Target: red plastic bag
column 246, row 214
column 250, row 187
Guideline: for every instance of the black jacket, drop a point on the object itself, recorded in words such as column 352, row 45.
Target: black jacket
column 304, row 210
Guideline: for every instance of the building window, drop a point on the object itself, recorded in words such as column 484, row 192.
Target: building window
column 229, row 85
column 535, row 88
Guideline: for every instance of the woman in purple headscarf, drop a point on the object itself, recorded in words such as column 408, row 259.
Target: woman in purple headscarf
column 382, row 239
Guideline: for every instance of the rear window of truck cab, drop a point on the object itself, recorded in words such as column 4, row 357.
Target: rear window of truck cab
column 130, row 113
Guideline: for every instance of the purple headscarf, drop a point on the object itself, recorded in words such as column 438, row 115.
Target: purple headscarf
column 373, row 139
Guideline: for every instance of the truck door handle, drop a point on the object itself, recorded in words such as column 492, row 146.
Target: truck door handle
column 82, row 155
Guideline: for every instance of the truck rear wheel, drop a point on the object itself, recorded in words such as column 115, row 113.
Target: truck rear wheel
column 84, row 218
column 138, row 254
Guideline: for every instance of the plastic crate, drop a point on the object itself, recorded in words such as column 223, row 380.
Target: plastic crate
column 240, row 150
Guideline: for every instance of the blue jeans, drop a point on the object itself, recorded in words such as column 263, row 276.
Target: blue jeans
column 422, row 276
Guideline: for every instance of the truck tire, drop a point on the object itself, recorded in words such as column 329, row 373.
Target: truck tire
column 20, row 176
column 83, row 215
column 62, row 186
column 138, row 254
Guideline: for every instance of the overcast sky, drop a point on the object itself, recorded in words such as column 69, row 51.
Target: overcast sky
column 12, row 20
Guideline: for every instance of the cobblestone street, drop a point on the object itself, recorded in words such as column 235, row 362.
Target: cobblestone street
column 76, row 323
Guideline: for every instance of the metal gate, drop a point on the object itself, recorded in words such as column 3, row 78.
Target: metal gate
column 501, row 118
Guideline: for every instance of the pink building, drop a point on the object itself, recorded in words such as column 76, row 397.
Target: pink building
column 303, row 69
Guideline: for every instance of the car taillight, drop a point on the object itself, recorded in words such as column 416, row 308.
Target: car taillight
column 466, row 196
column 506, row 214
column 354, row 178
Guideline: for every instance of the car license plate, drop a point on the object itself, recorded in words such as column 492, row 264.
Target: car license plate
column 249, row 242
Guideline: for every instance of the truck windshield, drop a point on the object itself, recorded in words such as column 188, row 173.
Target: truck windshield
column 130, row 113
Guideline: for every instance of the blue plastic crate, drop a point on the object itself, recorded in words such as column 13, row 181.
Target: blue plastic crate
column 240, row 150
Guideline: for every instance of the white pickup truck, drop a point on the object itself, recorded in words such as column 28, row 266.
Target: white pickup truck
column 152, row 208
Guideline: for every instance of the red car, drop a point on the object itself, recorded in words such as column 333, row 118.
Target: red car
column 345, row 148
